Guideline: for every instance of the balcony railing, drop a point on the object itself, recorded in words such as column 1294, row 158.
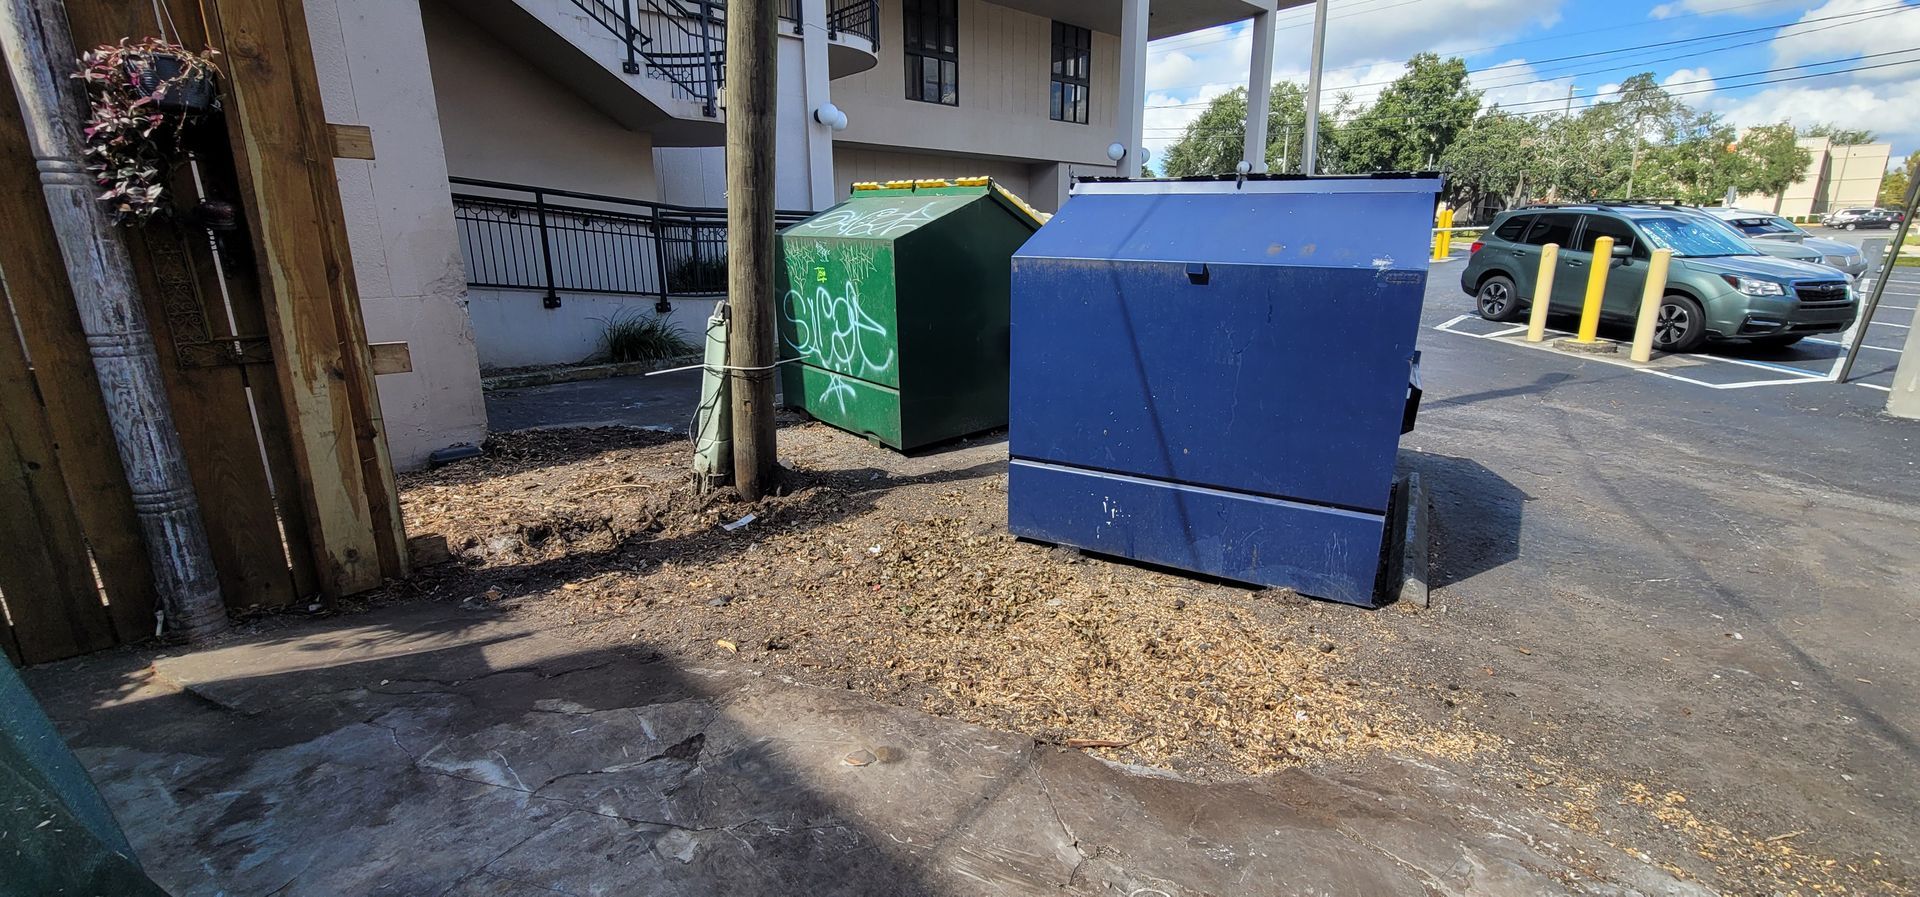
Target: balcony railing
column 684, row 41
column 860, row 17
column 516, row 237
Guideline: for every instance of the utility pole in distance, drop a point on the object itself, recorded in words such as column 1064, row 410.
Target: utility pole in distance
column 751, row 65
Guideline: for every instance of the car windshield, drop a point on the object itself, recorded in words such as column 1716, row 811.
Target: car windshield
column 1695, row 237
column 1765, row 227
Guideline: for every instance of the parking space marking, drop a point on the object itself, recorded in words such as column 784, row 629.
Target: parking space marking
column 1801, row 375
column 1828, row 342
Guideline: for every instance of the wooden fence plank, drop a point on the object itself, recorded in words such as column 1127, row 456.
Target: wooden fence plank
column 280, row 144
column 217, row 430
column 63, row 371
column 44, row 570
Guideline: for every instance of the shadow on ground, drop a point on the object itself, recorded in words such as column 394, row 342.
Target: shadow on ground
column 1477, row 516
column 434, row 751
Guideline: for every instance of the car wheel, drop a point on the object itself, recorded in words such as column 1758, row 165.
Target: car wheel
column 1778, row 342
column 1852, row 226
column 1497, row 300
column 1680, row 325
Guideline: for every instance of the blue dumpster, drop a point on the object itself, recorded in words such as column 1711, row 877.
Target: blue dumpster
column 1214, row 375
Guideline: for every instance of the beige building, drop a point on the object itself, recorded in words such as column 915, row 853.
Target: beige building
column 1838, row 177
column 543, row 167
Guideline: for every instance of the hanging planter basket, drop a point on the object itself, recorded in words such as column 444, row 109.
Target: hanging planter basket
column 175, row 84
column 144, row 98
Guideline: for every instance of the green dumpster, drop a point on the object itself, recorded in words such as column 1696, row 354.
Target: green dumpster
column 893, row 317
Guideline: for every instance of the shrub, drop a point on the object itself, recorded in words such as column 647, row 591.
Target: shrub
column 633, row 335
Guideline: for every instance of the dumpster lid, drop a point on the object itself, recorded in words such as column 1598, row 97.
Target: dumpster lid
column 1338, row 221
column 896, row 208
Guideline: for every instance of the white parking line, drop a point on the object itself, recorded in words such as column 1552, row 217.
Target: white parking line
column 1891, row 324
column 1802, row 376
column 1828, row 342
column 1874, row 386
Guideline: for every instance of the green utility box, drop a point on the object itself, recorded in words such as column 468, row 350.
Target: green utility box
column 894, row 311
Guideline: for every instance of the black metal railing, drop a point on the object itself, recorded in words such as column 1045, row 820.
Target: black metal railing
column 684, row 41
column 516, row 237
column 860, row 17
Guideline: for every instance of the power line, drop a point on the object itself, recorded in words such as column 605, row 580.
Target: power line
column 1683, row 93
column 1873, row 12
column 1876, row 12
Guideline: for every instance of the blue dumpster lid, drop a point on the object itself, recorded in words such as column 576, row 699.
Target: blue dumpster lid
column 1328, row 222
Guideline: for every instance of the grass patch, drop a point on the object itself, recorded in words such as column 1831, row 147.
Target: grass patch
column 633, row 335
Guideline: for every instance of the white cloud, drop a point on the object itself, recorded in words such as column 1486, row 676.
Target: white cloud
column 1696, row 84
column 1863, row 35
column 1516, row 84
column 1364, row 51
column 1710, row 8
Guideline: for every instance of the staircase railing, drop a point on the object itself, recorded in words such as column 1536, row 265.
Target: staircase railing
column 861, row 17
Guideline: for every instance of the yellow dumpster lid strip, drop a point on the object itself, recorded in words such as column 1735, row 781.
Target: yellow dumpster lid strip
column 971, row 184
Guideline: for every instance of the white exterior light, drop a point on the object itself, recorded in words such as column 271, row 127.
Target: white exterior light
column 831, row 116
column 1116, row 151
column 1243, row 166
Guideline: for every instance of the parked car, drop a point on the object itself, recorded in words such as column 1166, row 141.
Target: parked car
column 1780, row 238
column 1856, row 219
column 1719, row 287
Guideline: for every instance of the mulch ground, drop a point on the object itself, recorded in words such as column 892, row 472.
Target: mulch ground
column 894, row 576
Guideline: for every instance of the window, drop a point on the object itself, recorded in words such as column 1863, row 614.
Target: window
column 1511, row 229
column 1602, row 226
column 1555, row 228
column 931, row 32
column 1697, row 239
column 1072, row 67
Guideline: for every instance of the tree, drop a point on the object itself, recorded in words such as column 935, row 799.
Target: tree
column 1893, row 189
column 1501, row 155
column 1414, row 121
column 1839, row 135
column 1771, row 159
column 1213, row 142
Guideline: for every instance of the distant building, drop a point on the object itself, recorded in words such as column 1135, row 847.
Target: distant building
column 1838, row 177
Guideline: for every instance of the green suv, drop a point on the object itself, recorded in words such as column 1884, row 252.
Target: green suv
column 1719, row 287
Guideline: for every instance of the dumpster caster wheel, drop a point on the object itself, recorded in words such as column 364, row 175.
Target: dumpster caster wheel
column 874, row 441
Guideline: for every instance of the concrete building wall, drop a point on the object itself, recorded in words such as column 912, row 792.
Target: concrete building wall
column 1837, row 177
column 697, row 175
column 1854, row 174
column 372, row 61
column 502, row 119
column 1005, row 62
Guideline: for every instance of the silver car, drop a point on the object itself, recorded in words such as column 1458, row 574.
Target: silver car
column 1776, row 236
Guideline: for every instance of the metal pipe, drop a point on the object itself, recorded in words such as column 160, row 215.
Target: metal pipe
column 1880, row 283
column 552, row 299
column 39, row 52
column 1310, row 146
column 632, row 66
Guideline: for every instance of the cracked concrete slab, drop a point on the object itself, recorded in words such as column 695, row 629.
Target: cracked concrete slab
column 434, row 751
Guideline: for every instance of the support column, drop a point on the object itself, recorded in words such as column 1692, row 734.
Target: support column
column 1310, row 148
column 821, row 191
column 39, row 52
column 1259, row 89
column 1131, row 121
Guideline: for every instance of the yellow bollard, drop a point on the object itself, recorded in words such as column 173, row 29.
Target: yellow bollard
column 1542, row 293
column 1596, row 288
column 1446, row 232
column 1439, row 235
column 1650, row 305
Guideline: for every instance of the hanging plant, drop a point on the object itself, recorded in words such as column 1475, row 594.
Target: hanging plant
column 142, row 96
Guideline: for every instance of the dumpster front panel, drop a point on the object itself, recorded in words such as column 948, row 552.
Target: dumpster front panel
column 954, row 381
column 1320, row 552
column 1214, row 375
column 837, row 315
column 1285, row 382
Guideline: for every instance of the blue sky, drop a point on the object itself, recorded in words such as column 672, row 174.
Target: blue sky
column 1519, row 49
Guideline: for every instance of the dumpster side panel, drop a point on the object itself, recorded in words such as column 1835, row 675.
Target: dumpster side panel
column 1287, row 382
column 1319, row 551
column 955, row 276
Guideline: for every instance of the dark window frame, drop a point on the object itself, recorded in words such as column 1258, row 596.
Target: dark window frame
column 1524, row 221
column 1070, row 90
column 1540, row 220
column 930, row 34
column 1635, row 249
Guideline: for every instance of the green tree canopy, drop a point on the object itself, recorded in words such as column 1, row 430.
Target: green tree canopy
column 1770, row 159
column 1839, row 135
column 1213, row 142
column 1414, row 120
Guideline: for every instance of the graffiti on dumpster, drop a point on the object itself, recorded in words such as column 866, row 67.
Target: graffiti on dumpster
column 877, row 223
column 833, row 330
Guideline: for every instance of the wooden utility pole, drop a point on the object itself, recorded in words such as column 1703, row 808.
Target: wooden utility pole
column 751, row 65
column 40, row 57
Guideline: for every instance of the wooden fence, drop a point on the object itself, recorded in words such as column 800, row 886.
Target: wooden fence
column 261, row 344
